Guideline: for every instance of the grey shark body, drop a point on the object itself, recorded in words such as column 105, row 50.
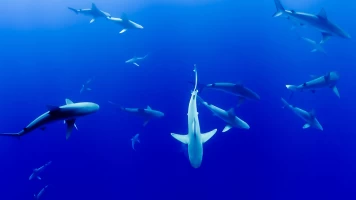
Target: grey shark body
column 327, row 81
column 136, row 59
column 40, row 193
column 125, row 23
column 308, row 117
column 194, row 139
column 68, row 112
column 135, row 139
column 227, row 116
column 37, row 171
column 319, row 21
column 147, row 113
column 94, row 12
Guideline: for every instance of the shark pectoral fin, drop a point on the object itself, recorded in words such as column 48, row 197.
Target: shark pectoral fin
column 326, row 37
column 92, row 20
column 133, row 144
column 70, row 124
column 39, row 178
column 306, row 126
column 206, row 136
column 123, row 30
column 89, row 89
column 182, row 138
column 75, row 126
column 227, row 127
column 336, row 91
column 314, row 50
column 136, row 64
column 146, row 122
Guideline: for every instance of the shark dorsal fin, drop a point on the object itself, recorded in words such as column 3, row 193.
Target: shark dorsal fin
column 240, row 84
column 93, row 6
column 149, row 108
column 231, row 112
column 68, row 101
column 293, row 11
column 322, row 14
column 124, row 17
column 312, row 113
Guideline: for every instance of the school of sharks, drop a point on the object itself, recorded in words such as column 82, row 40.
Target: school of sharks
column 194, row 139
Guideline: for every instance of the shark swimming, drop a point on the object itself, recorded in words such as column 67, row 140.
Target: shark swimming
column 135, row 139
column 135, row 59
column 125, row 23
column 227, row 116
column 147, row 113
column 316, row 46
column 194, row 139
column 85, row 86
column 308, row 117
column 94, row 12
column 37, row 171
column 319, row 21
column 40, row 193
column 69, row 112
column 327, row 81
column 238, row 90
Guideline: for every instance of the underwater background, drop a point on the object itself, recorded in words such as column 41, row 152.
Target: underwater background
column 47, row 52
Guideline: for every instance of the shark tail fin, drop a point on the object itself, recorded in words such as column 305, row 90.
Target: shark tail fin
column 280, row 9
column 200, row 86
column 74, row 10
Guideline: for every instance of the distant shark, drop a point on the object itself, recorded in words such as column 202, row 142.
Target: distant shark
column 235, row 89
column 194, row 139
column 135, row 139
column 327, row 81
column 85, row 86
column 316, row 46
column 308, row 117
column 125, row 23
column 135, row 59
column 319, row 21
column 94, row 12
column 40, row 193
column 228, row 116
column 37, row 171
column 147, row 113
column 69, row 112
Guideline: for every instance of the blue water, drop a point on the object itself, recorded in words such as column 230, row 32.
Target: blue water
column 47, row 52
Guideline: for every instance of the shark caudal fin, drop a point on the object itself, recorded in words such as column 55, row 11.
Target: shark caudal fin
column 74, row 10
column 279, row 7
column 206, row 136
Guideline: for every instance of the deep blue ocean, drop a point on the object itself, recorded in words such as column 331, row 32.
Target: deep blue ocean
column 47, row 52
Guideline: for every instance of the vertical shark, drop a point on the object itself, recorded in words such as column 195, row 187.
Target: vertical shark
column 228, row 116
column 194, row 139
column 135, row 59
column 316, row 46
column 319, row 21
column 147, row 113
column 69, row 112
column 327, row 81
column 125, row 23
column 37, row 171
column 40, row 193
column 94, row 12
column 135, row 139
column 308, row 117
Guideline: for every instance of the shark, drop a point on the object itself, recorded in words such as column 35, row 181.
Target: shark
column 37, row 171
column 125, row 23
column 94, row 12
column 147, row 113
column 316, row 46
column 308, row 117
column 85, row 86
column 40, row 193
column 135, row 59
column 194, row 139
column 236, row 89
column 327, row 81
column 69, row 112
column 135, row 139
column 229, row 117
column 319, row 21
